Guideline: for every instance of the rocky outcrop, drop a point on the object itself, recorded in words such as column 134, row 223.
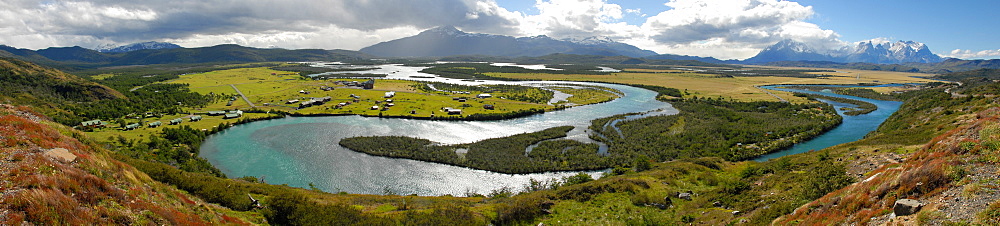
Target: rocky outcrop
column 905, row 207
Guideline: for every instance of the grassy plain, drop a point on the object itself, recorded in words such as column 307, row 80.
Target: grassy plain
column 738, row 88
column 270, row 89
column 113, row 130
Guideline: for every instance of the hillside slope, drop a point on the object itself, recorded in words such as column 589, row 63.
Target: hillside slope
column 952, row 170
column 48, row 90
column 51, row 178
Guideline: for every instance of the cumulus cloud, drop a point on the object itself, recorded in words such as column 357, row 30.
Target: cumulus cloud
column 40, row 23
column 577, row 19
column 969, row 54
column 693, row 26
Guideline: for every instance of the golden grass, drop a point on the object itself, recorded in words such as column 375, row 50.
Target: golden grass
column 739, row 88
column 103, row 76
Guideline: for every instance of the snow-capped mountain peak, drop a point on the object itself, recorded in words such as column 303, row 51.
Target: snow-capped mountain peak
column 593, row 40
column 111, row 48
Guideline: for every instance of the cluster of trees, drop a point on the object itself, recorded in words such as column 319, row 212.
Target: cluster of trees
column 177, row 147
column 505, row 155
column 863, row 107
column 804, row 73
column 854, row 91
column 510, row 92
column 714, row 127
column 477, row 70
column 158, row 98
column 866, row 93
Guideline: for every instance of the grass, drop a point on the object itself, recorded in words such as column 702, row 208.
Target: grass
column 207, row 123
column 739, row 88
column 103, row 76
column 270, row 89
column 587, row 95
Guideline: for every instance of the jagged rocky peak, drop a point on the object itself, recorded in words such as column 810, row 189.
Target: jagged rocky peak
column 790, row 45
column 868, row 51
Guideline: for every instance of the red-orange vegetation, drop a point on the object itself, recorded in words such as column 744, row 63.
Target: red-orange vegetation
column 37, row 189
column 925, row 174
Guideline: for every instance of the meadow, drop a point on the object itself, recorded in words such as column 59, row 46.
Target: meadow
column 741, row 88
column 270, row 89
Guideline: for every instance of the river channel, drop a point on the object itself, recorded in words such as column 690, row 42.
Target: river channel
column 301, row 150
column 304, row 151
column 853, row 127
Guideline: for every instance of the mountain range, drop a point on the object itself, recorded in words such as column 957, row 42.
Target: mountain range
column 221, row 53
column 865, row 52
column 449, row 41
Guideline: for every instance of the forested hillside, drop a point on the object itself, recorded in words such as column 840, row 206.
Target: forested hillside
column 49, row 90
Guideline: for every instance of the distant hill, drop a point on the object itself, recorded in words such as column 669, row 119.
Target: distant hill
column 863, row 52
column 696, row 58
column 81, row 57
column 137, row 46
column 232, row 53
column 947, row 66
column 449, row 41
column 21, row 78
column 75, row 54
column 988, row 74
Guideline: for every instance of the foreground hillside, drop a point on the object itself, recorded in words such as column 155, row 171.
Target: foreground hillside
column 55, row 176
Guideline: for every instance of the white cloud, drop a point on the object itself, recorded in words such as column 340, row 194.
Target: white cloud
column 969, row 54
column 576, row 19
column 732, row 28
column 43, row 23
column 330, row 37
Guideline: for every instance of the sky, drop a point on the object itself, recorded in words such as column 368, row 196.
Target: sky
column 725, row 29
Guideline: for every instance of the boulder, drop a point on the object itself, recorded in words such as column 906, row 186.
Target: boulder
column 61, row 154
column 905, row 207
column 684, row 196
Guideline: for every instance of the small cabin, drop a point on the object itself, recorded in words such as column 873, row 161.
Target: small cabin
column 292, row 101
column 233, row 114
column 155, row 124
column 453, row 111
column 132, row 126
column 488, row 107
column 484, row 95
column 92, row 123
column 374, row 108
column 370, row 84
column 196, row 118
column 307, row 103
column 176, row 121
column 213, row 113
column 390, row 94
